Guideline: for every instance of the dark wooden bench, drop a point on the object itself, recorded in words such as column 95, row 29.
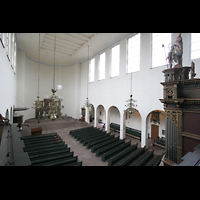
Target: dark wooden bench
column 58, row 162
column 46, row 158
column 51, row 151
column 90, row 144
column 108, row 147
column 80, row 129
column 91, row 139
column 131, row 157
column 143, row 158
column 121, row 155
column 48, row 152
column 160, row 142
column 157, row 160
column 79, row 134
column 37, row 137
column 114, row 151
column 89, row 134
column 102, row 144
column 129, row 131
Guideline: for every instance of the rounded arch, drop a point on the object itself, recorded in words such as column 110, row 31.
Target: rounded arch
column 133, row 120
column 114, row 114
column 155, row 123
column 91, row 113
column 100, row 116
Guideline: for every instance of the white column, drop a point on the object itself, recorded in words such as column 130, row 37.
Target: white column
column 144, row 139
column 87, row 116
column 107, row 127
column 122, row 126
column 95, row 117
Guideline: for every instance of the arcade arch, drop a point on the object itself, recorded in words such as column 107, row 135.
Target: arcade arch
column 112, row 115
column 155, row 124
column 100, row 116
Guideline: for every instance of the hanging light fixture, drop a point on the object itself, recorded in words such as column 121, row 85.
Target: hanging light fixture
column 59, row 86
column 37, row 103
column 87, row 102
column 55, row 104
column 130, row 102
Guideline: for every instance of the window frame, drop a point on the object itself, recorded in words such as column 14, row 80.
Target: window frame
column 100, row 67
column 128, row 71
column 164, row 52
column 112, row 75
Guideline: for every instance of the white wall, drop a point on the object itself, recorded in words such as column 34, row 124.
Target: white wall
column 147, row 89
column 8, row 80
column 28, row 85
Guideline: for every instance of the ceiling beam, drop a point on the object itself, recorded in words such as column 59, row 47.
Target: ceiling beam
column 79, row 35
column 69, row 35
column 72, row 44
column 57, row 52
column 58, row 47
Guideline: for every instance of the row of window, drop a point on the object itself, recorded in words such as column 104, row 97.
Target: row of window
column 160, row 47
column 8, row 41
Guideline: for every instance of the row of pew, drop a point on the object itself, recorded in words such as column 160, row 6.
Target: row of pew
column 49, row 150
column 129, row 131
column 113, row 150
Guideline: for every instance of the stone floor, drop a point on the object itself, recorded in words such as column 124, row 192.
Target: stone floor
column 63, row 126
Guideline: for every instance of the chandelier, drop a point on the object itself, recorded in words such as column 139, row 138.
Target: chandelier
column 55, row 100
column 131, row 106
column 37, row 103
column 130, row 102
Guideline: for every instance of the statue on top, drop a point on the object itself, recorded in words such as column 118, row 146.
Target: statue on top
column 176, row 52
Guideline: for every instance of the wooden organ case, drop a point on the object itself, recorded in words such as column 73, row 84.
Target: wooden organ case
column 181, row 99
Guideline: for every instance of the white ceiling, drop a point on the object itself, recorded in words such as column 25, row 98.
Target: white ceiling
column 70, row 47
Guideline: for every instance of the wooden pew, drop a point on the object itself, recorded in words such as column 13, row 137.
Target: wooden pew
column 160, row 142
column 97, row 146
column 143, row 158
column 91, row 139
column 131, row 157
column 157, row 160
column 121, row 155
column 114, row 151
column 108, row 147
column 95, row 142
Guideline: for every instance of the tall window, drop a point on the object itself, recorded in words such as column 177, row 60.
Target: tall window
column 158, row 51
column 195, row 45
column 3, row 39
column 134, row 53
column 102, row 64
column 114, row 71
column 91, row 70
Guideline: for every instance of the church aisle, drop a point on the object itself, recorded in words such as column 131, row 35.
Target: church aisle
column 63, row 126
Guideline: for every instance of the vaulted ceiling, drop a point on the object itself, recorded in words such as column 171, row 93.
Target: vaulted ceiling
column 70, row 47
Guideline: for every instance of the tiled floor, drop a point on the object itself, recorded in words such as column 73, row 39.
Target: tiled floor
column 63, row 126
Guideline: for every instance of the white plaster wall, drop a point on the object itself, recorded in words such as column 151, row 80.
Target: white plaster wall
column 147, row 89
column 28, row 82
column 8, row 80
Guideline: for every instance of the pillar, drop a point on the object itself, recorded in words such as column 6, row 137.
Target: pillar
column 144, row 139
column 122, row 126
column 87, row 115
column 95, row 118
column 107, row 127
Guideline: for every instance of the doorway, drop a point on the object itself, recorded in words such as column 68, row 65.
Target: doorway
column 154, row 132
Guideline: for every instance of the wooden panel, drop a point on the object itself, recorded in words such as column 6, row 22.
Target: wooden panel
column 191, row 123
column 154, row 132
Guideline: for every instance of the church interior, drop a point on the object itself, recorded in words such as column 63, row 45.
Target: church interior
column 100, row 99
